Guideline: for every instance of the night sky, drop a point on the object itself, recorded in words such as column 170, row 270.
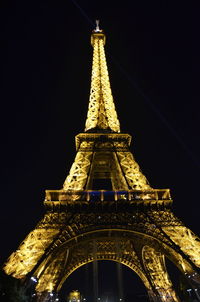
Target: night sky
column 152, row 51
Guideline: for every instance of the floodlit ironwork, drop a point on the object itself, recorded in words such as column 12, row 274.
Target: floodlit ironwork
column 101, row 111
column 106, row 210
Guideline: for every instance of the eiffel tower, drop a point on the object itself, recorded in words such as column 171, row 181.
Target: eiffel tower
column 106, row 210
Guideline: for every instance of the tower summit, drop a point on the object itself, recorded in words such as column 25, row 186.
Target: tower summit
column 106, row 210
column 102, row 115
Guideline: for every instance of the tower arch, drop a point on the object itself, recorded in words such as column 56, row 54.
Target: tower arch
column 119, row 245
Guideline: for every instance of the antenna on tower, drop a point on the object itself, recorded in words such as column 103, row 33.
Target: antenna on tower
column 97, row 29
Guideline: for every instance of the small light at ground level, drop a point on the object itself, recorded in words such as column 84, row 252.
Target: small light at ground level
column 34, row 279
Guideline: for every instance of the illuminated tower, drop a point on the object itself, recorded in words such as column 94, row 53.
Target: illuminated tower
column 106, row 210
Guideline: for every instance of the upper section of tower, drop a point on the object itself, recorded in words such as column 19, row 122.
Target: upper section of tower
column 102, row 116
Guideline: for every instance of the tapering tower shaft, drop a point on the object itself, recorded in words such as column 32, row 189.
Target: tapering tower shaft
column 101, row 112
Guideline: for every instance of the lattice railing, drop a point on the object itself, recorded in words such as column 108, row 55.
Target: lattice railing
column 103, row 195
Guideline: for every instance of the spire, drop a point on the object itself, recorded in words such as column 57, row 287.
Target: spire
column 97, row 29
column 101, row 115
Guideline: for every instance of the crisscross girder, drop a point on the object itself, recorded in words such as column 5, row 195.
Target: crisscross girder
column 101, row 112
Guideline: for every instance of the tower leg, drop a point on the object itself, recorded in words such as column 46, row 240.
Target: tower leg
column 51, row 274
column 154, row 263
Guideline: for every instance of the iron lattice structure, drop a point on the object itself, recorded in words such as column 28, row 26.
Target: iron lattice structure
column 106, row 210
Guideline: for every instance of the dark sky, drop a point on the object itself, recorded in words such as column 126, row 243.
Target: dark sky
column 153, row 59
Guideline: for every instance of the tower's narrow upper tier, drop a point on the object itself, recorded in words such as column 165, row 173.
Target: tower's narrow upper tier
column 101, row 115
